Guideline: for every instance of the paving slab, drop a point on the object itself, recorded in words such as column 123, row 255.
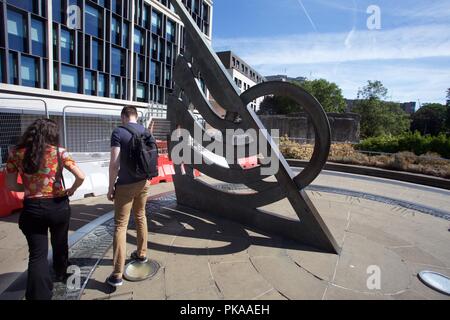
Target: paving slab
column 205, row 257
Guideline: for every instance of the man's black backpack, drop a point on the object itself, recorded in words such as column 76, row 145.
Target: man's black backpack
column 142, row 160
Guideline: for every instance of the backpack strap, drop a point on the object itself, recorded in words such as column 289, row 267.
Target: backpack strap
column 131, row 130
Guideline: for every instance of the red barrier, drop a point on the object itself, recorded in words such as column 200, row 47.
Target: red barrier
column 166, row 170
column 248, row 163
column 9, row 201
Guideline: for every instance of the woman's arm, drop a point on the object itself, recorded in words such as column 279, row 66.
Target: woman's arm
column 79, row 178
column 11, row 183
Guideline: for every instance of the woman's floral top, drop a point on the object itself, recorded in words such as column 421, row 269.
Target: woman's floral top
column 41, row 184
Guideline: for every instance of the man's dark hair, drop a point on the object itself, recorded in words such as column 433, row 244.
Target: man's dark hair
column 129, row 111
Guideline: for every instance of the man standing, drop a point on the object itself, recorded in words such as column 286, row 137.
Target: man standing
column 128, row 193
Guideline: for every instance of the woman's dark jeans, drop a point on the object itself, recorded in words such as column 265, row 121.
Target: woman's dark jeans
column 38, row 216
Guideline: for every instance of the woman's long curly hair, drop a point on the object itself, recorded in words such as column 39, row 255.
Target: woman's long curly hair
column 37, row 137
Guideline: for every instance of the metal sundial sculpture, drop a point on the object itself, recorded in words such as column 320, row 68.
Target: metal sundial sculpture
column 199, row 60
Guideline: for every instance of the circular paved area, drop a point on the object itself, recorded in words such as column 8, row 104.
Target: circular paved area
column 398, row 230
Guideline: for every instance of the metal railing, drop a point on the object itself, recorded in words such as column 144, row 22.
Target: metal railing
column 91, row 132
column 15, row 119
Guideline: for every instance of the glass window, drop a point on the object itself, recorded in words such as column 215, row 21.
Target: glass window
column 115, row 31
column 116, row 6
column 170, row 31
column 161, row 95
column 55, row 76
column 56, row 10
column 169, row 54
column 13, row 69
column 123, row 87
column 156, row 22
column 117, row 61
column 155, row 72
column 69, row 79
column 141, row 92
column 17, row 31
column 141, row 68
column 138, row 41
column 161, row 51
column 89, row 83
column 101, row 85
column 115, row 87
column 168, row 77
column 125, row 35
column 205, row 12
column 154, row 47
column 67, row 46
column 38, row 37
column 29, row 5
column 94, row 21
column 97, row 55
column 145, row 17
column 29, row 71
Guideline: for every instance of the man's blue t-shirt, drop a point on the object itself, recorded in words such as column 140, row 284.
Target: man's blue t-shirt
column 121, row 138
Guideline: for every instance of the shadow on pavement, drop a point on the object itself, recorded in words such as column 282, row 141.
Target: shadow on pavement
column 190, row 223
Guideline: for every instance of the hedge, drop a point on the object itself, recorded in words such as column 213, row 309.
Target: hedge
column 413, row 142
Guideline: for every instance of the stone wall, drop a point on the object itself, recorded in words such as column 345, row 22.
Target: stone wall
column 345, row 127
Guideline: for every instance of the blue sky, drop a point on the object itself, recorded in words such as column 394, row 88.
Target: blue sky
column 330, row 39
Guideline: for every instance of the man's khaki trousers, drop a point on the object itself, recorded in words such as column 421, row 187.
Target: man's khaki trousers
column 126, row 198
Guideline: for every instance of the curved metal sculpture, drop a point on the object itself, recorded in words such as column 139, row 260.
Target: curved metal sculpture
column 200, row 61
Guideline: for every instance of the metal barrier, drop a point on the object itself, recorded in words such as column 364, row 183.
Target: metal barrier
column 90, row 132
column 15, row 119
column 157, row 111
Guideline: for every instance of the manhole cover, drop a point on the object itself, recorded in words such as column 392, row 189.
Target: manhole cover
column 138, row 271
column 436, row 281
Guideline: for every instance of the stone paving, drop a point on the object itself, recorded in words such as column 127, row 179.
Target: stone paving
column 203, row 257
column 377, row 223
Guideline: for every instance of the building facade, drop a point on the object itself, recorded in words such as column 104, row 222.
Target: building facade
column 90, row 58
column 242, row 73
column 113, row 50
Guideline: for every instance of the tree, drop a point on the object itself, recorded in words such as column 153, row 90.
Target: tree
column 379, row 117
column 327, row 93
column 430, row 119
column 373, row 90
column 278, row 105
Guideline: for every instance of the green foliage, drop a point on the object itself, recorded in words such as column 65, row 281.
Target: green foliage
column 381, row 118
column 279, row 105
column 327, row 93
column 430, row 119
column 413, row 142
column 373, row 90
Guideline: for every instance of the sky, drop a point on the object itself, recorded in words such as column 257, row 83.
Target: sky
column 406, row 46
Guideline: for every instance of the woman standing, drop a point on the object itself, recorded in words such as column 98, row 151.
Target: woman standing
column 40, row 162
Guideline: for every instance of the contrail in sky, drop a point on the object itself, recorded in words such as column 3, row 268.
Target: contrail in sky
column 307, row 15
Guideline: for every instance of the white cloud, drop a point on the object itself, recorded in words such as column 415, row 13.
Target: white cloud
column 408, row 60
column 405, row 80
column 401, row 43
column 429, row 9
